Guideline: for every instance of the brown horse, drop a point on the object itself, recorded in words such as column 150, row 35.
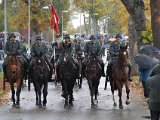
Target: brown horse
column 14, row 75
column 120, row 75
column 93, row 75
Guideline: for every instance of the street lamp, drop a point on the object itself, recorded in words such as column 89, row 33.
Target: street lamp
column 5, row 22
column 64, row 11
column 29, row 36
column 107, row 24
column 95, row 24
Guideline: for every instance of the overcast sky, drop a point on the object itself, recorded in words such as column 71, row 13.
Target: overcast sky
column 75, row 18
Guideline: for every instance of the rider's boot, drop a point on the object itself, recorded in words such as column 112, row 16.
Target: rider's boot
column 130, row 77
column 103, row 74
column 83, row 71
column 5, row 73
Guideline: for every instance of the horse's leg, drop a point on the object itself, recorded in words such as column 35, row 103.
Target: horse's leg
column 65, row 93
column 127, row 91
column 91, row 92
column 71, row 94
column 112, row 89
column 120, row 95
column 19, row 85
column 38, row 87
column 96, row 92
column 80, row 84
column 13, row 93
column 105, row 86
column 45, row 93
column 36, row 92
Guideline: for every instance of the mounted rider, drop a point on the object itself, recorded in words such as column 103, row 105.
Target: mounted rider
column 40, row 48
column 58, row 47
column 12, row 48
column 92, row 48
column 114, row 51
column 77, row 45
column 63, row 48
column 66, row 47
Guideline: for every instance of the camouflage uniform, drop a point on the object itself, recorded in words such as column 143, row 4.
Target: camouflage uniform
column 12, row 47
column 92, row 49
column 40, row 48
column 113, row 50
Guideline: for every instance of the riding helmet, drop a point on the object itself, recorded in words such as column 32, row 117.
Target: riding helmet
column 119, row 35
column 92, row 37
column 66, row 36
column 12, row 35
column 38, row 37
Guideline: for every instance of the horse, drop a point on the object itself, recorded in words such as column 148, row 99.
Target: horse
column 40, row 79
column 120, row 76
column 93, row 75
column 79, row 59
column 68, row 72
column 14, row 75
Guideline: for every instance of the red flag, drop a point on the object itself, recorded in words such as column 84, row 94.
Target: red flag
column 54, row 19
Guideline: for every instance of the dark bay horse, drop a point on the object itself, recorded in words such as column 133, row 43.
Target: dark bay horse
column 40, row 79
column 79, row 59
column 120, row 76
column 93, row 75
column 68, row 73
column 14, row 75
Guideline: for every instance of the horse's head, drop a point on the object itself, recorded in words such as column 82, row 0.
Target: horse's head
column 14, row 64
column 39, row 64
column 93, row 63
column 66, row 58
column 123, row 53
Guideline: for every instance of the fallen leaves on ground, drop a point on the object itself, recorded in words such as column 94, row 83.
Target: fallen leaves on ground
column 3, row 94
column 136, row 86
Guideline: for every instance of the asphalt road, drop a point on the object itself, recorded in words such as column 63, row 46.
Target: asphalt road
column 81, row 110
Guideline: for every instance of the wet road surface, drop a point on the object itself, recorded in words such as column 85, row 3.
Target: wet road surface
column 80, row 111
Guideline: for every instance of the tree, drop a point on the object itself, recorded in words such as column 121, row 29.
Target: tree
column 137, row 24
column 40, row 19
column 95, row 8
column 155, row 18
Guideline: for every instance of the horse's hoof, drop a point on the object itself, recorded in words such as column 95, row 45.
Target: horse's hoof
column 44, row 105
column 40, row 106
column 17, row 106
column 70, row 104
column 96, row 101
column 127, row 102
column 105, row 88
column 114, row 104
column 65, row 106
column 37, row 104
column 120, row 106
column 13, row 105
column 93, row 106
